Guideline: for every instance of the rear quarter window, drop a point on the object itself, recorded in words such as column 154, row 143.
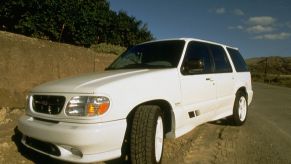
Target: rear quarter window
column 238, row 61
column 220, row 59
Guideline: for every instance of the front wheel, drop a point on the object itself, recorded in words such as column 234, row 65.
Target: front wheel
column 147, row 135
column 240, row 109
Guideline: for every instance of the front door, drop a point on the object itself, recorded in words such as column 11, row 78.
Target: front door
column 198, row 85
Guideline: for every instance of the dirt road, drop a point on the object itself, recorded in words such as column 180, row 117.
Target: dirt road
column 264, row 138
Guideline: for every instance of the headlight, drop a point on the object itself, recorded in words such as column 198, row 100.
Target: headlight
column 87, row 106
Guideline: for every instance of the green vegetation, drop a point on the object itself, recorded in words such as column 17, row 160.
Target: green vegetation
column 271, row 70
column 79, row 22
column 108, row 48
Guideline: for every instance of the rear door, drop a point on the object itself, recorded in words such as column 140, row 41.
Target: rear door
column 224, row 80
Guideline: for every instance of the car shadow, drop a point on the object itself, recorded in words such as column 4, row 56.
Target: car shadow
column 222, row 122
column 117, row 161
column 39, row 158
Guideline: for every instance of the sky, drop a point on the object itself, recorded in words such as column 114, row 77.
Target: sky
column 257, row 27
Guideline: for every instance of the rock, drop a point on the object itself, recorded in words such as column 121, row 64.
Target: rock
column 3, row 113
column 4, row 145
column 3, row 116
column 17, row 111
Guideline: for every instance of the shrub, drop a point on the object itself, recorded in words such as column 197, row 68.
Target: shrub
column 80, row 22
column 108, row 48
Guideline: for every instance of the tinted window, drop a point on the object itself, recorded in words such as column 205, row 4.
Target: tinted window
column 162, row 54
column 197, row 59
column 238, row 61
column 220, row 59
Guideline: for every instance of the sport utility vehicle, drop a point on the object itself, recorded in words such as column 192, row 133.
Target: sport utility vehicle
column 155, row 90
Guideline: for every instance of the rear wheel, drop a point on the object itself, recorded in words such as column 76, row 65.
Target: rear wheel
column 240, row 109
column 147, row 135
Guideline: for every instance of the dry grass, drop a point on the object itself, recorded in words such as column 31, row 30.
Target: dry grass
column 273, row 70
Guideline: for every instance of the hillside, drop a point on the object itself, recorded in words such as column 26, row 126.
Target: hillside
column 273, row 70
column 274, row 65
column 26, row 62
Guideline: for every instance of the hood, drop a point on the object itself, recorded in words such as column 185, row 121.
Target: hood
column 87, row 83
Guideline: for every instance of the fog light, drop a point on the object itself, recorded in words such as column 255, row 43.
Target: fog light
column 73, row 150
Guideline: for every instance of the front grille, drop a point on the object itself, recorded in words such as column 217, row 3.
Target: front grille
column 48, row 104
column 43, row 146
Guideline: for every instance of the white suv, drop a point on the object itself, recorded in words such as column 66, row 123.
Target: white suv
column 155, row 90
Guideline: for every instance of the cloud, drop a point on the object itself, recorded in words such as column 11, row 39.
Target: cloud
column 259, row 29
column 220, row 10
column 279, row 36
column 223, row 10
column 262, row 20
column 238, row 27
column 261, row 24
column 238, row 12
column 263, row 27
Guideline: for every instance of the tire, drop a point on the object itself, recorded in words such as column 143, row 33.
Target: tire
column 240, row 109
column 147, row 135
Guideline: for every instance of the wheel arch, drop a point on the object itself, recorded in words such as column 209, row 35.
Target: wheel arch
column 167, row 111
column 168, row 117
column 243, row 90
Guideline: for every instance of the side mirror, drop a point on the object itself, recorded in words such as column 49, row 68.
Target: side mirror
column 193, row 66
column 198, row 65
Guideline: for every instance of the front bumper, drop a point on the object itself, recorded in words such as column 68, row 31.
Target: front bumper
column 93, row 142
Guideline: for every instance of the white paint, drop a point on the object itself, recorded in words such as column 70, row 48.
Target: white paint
column 126, row 89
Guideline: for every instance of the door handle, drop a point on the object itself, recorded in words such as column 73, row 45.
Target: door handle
column 209, row 79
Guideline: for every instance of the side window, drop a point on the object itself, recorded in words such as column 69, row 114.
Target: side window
column 197, row 59
column 221, row 62
column 238, row 61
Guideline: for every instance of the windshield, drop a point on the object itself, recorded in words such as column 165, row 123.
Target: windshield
column 162, row 54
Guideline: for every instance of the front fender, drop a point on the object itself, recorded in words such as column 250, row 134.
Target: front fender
column 128, row 93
